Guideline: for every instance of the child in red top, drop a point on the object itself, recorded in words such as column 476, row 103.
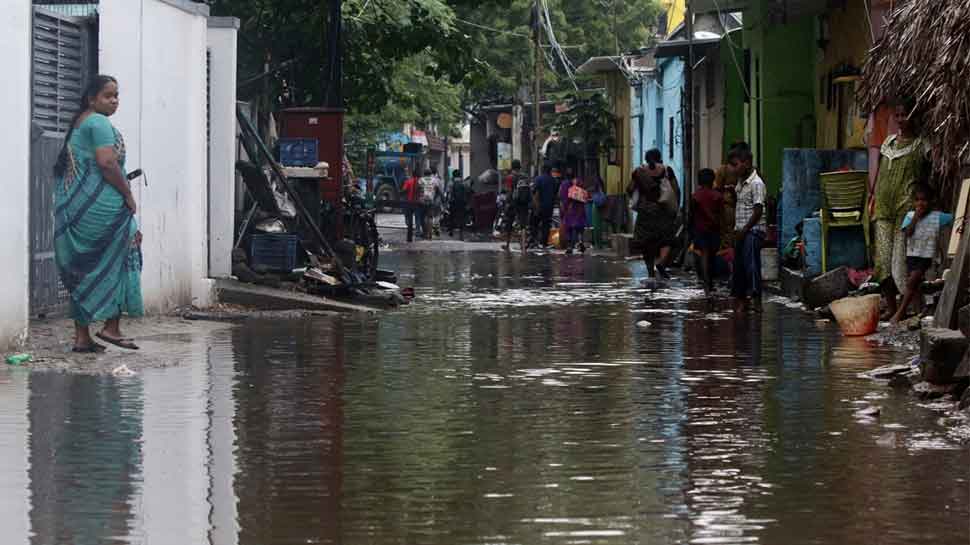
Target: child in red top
column 705, row 205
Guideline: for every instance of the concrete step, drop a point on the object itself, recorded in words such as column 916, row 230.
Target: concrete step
column 266, row 298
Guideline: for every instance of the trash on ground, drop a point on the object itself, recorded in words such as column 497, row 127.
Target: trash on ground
column 19, row 359
column 122, row 371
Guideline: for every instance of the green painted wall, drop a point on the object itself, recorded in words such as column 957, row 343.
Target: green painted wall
column 733, row 92
column 781, row 113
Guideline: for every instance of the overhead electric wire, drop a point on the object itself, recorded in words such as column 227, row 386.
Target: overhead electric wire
column 551, row 34
column 493, row 29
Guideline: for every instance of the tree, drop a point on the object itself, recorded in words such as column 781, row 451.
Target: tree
column 378, row 36
column 501, row 39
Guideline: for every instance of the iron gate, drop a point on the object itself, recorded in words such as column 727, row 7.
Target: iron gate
column 64, row 57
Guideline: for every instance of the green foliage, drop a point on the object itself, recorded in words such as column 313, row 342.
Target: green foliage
column 419, row 61
column 585, row 28
column 590, row 119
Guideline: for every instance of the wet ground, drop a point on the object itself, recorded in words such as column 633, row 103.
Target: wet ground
column 517, row 401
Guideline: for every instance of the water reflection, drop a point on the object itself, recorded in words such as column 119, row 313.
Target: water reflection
column 515, row 402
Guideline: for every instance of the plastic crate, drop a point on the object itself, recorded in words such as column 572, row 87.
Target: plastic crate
column 274, row 252
column 299, row 152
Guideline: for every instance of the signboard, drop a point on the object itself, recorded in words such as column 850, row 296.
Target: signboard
column 504, row 153
column 419, row 137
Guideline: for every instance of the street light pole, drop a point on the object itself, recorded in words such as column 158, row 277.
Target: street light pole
column 537, row 95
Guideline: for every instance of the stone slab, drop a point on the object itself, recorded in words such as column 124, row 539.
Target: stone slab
column 941, row 353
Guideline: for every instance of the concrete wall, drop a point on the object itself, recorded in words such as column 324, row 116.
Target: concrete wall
column 157, row 50
column 221, row 39
column 672, row 101
column 781, row 113
column 651, row 132
column 15, row 43
column 848, row 45
column 732, row 57
column 620, row 93
column 710, row 116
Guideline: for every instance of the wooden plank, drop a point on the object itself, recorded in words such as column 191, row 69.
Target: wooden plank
column 956, row 284
column 959, row 218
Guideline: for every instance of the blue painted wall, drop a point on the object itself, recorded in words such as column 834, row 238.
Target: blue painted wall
column 651, row 133
column 671, row 96
column 801, row 197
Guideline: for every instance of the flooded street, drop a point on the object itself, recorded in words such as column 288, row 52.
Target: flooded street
column 516, row 401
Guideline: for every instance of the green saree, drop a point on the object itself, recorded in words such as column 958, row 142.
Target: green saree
column 94, row 231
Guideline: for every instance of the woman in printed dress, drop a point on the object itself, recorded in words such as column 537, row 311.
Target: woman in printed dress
column 904, row 162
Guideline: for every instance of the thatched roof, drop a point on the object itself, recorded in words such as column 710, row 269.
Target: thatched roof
column 924, row 55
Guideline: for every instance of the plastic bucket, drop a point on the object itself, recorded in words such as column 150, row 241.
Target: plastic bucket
column 769, row 264
column 857, row 315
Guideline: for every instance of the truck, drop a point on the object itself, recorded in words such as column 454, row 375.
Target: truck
column 390, row 170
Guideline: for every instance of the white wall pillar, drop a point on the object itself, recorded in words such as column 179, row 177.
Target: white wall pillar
column 222, row 147
column 157, row 50
column 15, row 95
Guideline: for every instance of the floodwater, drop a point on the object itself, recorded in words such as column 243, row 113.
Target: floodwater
column 515, row 402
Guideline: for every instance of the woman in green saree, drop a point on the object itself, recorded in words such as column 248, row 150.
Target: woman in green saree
column 904, row 162
column 97, row 244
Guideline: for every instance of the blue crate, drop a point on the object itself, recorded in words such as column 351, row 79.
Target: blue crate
column 274, row 252
column 299, row 152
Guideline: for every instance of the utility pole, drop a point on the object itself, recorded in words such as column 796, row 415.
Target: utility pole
column 537, row 96
column 689, row 113
column 333, row 85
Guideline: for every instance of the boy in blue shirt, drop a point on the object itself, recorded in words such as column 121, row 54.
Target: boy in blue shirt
column 922, row 228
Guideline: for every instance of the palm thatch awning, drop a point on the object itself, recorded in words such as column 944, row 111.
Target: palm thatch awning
column 924, row 55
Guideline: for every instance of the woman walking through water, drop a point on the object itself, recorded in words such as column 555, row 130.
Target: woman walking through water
column 903, row 163
column 572, row 204
column 97, row 243
column 656, row 225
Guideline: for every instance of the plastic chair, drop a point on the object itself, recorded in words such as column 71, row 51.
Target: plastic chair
column 844, row 198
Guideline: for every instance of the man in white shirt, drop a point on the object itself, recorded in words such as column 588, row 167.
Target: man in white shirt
column 750, row 224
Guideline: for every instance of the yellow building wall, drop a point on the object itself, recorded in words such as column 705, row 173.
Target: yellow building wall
column 849, row 40
column 618, row 173
column 676, row 9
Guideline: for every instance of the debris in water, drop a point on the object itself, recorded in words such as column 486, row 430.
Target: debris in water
column 122, row 371
column 889, row 439
column 886, row 371
column 643, row 324
column 868, row 412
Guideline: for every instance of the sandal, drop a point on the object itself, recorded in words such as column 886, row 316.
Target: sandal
column 93, row 348
column 120, row 343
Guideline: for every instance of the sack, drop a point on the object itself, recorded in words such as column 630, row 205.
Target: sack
column 577, row 193
column 599, row 199
column 668, row 199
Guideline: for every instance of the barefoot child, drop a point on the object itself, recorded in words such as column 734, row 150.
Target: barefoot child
column 922, row 229
column 706, row 204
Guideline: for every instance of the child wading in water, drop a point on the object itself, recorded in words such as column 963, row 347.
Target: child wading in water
column 706, row 204
column 922, row 229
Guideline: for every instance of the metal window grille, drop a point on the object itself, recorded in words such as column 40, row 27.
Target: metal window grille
column 59, row 50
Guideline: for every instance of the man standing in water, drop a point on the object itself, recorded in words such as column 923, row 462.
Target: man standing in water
column 547, row 189
column 750, row 224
